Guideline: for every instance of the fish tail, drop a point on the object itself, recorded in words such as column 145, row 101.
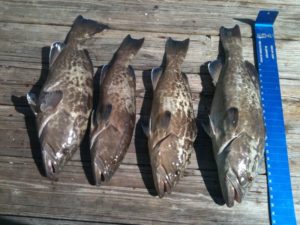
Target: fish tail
column 129, row 48
column 83, row 29
column 231, row 37
column 176, row 49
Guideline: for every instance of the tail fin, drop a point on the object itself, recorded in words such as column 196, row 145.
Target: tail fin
column 128, row 48
column 231, row 37
column 83, row 29
column 176, row 49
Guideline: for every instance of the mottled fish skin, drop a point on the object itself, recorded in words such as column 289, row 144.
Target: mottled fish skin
column 172, row 128
column 236, row 121
column 65, row 102
column 114, row 120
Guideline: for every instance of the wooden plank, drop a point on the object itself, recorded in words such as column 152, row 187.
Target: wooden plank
column 25, row 220
column 128, row 198
column 24, row 194
column 187, row 17
column 24, row 46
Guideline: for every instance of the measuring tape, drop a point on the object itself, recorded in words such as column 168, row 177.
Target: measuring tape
column 281, row 206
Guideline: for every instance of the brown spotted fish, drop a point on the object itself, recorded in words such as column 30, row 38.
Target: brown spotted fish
column 114, row 119
column 172, row 127
column 63, row 107
column 236, row 123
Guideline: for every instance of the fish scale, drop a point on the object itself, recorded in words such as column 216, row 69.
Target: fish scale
column 281, row 206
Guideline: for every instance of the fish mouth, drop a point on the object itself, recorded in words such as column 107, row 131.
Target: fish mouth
column 51, row 163
column 101, row 171
column 164, row 181
column 232, row 190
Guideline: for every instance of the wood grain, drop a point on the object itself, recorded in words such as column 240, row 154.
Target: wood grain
column 27, row 28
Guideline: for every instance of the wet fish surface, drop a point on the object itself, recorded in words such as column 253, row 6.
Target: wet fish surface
column 63, row 107
column 172, row 127
column 236, row 123
column 114, row 119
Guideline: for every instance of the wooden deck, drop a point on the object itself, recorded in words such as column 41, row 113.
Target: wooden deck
column 27, row 28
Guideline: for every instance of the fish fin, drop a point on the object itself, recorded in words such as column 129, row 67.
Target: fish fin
column 177, row 49
column 164, row 120
column 209, row 127
column 231, row 39
column 104, row 71
column 214, row 69
column 146, row 129
column 232, row 117
column 50, row 100
column 93, row 120
column 32, row 102
column 155, row 75
column 55, row 50
column 128, row 48
column 83, row 29
column 106, row 112
column 251, row 70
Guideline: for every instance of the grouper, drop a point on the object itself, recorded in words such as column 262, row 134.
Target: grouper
column 236, row 123
column 113, row 120
column 172, row 128
column 64, row 104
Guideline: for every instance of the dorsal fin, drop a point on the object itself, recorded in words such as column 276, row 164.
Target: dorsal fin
column 209, row 127
column 32, row 102
column 103, row 73
column 155, row 76
column 252, row 72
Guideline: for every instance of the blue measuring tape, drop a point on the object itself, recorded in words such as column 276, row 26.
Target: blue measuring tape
column 281, row 206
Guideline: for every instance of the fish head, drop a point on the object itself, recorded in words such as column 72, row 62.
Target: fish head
column 237, row 167
column 58, row 145
column 106, row 153
column 231, row 38
column 168, row 160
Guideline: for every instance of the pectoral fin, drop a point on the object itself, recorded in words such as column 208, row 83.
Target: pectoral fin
column 164, row 120
column 50, row 100
column 231, row 119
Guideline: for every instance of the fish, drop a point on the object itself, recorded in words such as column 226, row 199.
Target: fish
column 113, row 120
column 236, row 123
column 64, row 104
column 172, row 127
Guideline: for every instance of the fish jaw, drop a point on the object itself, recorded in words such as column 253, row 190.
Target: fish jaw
column 163, row 181
column 106, row 153
column 102, row 171
column 169, row 160
column 52, row 163
column 231, row 189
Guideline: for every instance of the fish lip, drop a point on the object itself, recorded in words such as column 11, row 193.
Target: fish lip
column 235, row 191
column 51, row 164
column 101, row 172
column 163, row 183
